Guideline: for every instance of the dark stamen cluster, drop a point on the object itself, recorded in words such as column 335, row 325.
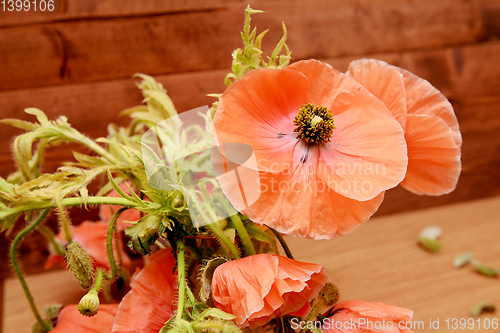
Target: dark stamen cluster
column 314, row 124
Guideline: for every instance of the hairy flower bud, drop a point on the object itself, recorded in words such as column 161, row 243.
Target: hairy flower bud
column 144, row 233
column 80, row 264
column 89, row 304
column 330, row 294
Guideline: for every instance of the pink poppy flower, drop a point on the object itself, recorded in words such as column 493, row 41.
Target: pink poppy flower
column 360, row 316
column 431, row 128
column 106, row 212
column 149, row 303
column 259, row 288
column 326, row 149
column 70, row 320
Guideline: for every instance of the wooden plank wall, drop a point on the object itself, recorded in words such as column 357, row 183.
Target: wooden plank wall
column 79, row 59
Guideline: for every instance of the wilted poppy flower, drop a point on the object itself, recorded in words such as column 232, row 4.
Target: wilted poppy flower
column 326, row 148
column 106, row 212
column 431, row 128
column 92, row 236
column 259, row 288
column 70, row 320
column 149, row 303
column 361, row 316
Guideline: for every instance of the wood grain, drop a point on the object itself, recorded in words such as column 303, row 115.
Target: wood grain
column 378, row 262
column 102, row 49
column 65, row 10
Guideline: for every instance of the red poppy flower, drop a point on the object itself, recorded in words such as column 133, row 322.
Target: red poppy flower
column 326, row 148
column 259, row 288
column 70, row 320
column 149, row 303
column 431, row 128
column 360, row 316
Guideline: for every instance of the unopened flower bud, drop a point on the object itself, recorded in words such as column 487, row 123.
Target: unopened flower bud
column 80, row 264
column 144, row 233
column 89, row 304
column 330, row 294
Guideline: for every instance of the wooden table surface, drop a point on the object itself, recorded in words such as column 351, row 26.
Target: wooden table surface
column 378, row 262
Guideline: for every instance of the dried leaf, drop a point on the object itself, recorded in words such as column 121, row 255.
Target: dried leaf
column 430, row 245
column 485, row 270
column 482, row 307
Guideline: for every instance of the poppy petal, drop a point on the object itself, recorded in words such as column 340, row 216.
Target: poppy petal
column 70, row 320
column 423, row 99
column 149, row 303
column 434, row 158
column 258, row 110
column 325, row 82
column 367, row 153
column 299, row 203
column 384, row 81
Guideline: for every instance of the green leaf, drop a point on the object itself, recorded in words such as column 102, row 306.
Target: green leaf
column 482, row 307
column 256, row 232
column 84, row 193
column 216, row 313
column 40, row 115
column 485, row 270
column 25, row 125
column 462, row 259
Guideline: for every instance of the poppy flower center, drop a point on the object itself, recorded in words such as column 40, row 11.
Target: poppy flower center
column 314, row 124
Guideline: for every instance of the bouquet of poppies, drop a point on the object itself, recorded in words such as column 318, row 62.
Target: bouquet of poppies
column 205, row 196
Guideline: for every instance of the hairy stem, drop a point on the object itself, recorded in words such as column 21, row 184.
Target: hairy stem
column 109, row 242
column 181, row 274
column 77, row 201
column 19, row 274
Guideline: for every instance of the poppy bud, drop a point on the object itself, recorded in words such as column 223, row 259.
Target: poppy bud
column 89, row 304
column 80, row 264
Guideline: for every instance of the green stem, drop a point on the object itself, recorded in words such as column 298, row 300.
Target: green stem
column 77, row 201
column 242, row 231
column 98, row 281
column 313, row 313
column 207, row 325
column 283, row 243
column 65, row 222
column 109, row 242
column 181, row 273
column 19, row 274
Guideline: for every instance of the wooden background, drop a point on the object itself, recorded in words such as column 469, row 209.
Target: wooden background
column 79, row 60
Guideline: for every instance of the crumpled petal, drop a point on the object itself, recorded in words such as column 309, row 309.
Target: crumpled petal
column 149, row 303
column 70, row 320
column 259, row 288
column 360, row 316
